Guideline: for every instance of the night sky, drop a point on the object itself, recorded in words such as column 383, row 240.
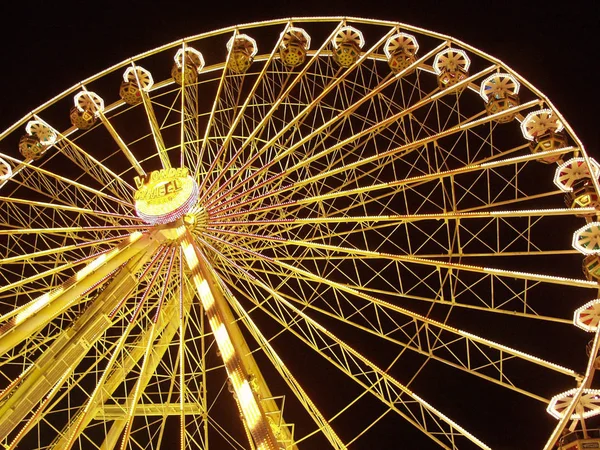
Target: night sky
column 48, row 48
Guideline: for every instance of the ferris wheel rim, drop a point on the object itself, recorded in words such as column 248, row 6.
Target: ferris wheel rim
column 280, row 191
column 233, row 29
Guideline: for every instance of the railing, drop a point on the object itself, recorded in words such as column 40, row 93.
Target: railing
column 575, row 435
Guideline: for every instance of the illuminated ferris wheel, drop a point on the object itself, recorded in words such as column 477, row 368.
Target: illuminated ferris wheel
column 298, row 234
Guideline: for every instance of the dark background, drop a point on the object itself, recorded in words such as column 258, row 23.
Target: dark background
column 48, row 46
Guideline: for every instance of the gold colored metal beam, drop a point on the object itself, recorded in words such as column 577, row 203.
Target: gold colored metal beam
column 45, row 308
column 121, row 144
column 97, row 408
column 64, row 354
column 155, row 127
column 288, row 377
column 372, row 378
column 418, row 317
column 236, row 354
column 119, row 412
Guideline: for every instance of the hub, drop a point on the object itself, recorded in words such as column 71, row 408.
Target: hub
column 165, row 195
column 197, row 219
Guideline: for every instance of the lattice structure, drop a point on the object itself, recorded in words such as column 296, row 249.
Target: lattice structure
column 327, row 228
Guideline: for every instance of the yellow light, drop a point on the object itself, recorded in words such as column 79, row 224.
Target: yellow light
column 248, row 404
column 94, row 265
column 205, row 294
column 236, row 380
column 135, row 236
column 190, row 255
column 214, row 322
column 224, row 343
column 165, row 195
column 37, row 304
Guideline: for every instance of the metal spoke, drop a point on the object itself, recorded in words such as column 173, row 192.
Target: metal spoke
column 333, row 214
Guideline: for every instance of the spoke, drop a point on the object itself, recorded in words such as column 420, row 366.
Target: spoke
column 91, row 166
column 285, row 373
column 403, row 218
column 322, row 129
column 154, row 126
column 145, row 372
column 44, row 205
column 366, row 373
column 378, row 226
column 487, row 305
column 45, row 308
column 43, row 274
column 188, row 132
column 163, row 256
column 420, row 338
column 58, row 250
column 215, row 105
column 242, row 110
column 386, row 196
column 426, row 321
column 121, row 144
column 191, row 156
column 379, row 186
column 259, row 128
column 424, row 261
column 374, row 129
column 58, row 187
column 299, row 118
column 437, row 347
column 21, row 231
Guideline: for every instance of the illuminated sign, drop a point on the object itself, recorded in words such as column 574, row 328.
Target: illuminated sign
column 165, row 195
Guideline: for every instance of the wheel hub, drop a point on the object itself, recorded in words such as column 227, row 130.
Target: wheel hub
column 197, row 219
column 165, row 195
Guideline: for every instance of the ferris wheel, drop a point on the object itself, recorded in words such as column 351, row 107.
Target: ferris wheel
column 298, row 234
